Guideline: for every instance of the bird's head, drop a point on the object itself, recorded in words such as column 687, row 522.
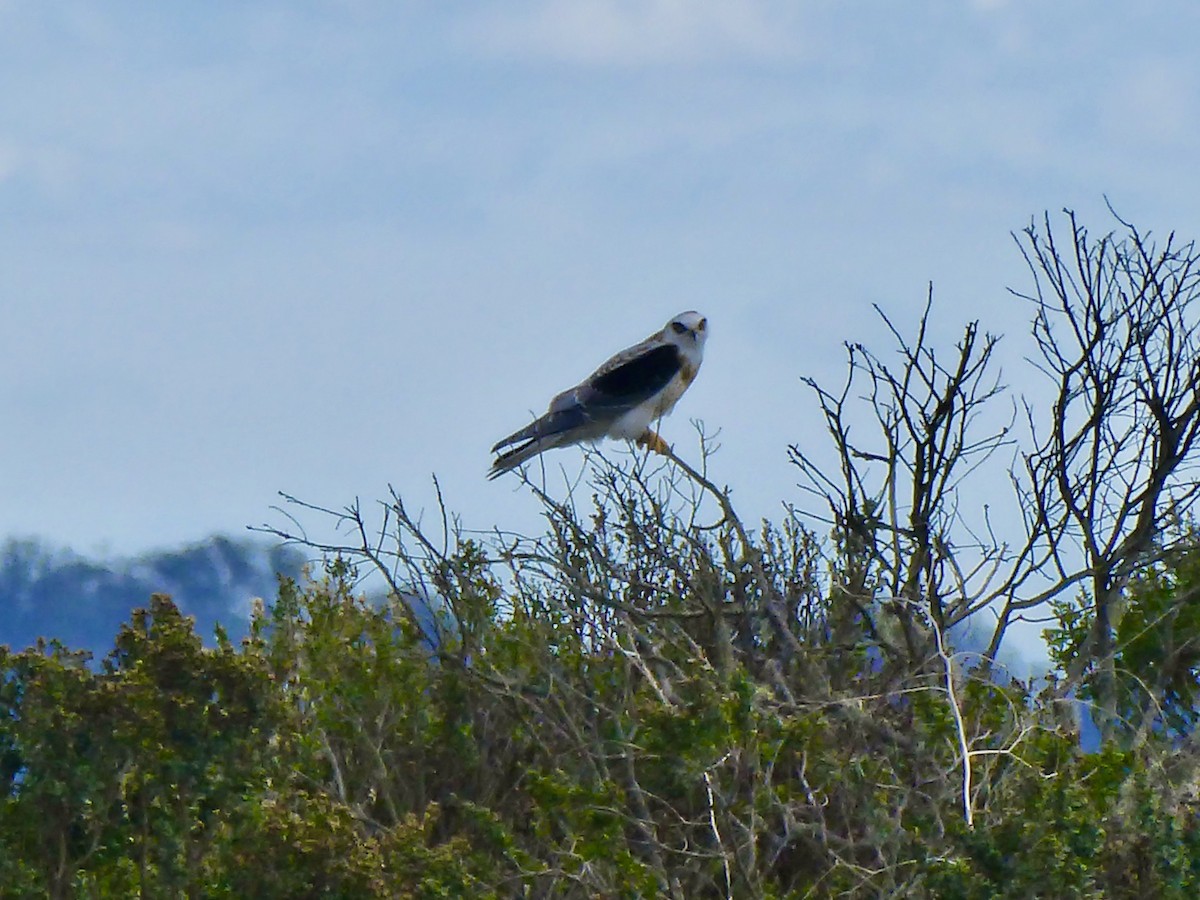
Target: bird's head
column 688, row 331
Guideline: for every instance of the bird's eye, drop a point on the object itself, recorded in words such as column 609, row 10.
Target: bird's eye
column 678, row 327
column 703, row 324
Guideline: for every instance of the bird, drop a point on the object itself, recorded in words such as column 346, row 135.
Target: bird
column 621, row 399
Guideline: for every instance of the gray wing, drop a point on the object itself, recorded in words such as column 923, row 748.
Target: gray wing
column 619, row 389
column 586, row 411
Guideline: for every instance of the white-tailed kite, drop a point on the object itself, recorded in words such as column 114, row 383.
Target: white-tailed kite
column 620, row 399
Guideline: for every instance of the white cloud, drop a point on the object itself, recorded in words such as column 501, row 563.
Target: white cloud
column 640, row 32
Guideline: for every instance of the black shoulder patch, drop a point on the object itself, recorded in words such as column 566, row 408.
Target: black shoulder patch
column 642, row 376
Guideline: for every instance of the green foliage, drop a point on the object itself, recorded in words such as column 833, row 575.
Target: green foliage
column 604, row 717
column 1076, row 825
column 1156, row 646
column 631, row 705
column 331, row 754
column 1158, row 640
column 175, row 770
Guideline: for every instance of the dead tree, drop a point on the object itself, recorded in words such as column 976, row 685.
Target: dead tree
column 1107, row 472
column 1114, row 463
column 906, row 557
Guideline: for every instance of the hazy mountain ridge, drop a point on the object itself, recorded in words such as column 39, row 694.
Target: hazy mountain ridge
column 53, row 592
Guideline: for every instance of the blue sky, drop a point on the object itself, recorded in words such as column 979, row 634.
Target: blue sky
column 324, row 247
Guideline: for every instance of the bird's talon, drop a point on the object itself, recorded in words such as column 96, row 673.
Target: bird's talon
column 652, row 441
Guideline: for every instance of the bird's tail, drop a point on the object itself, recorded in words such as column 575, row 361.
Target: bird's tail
column 511, row 459
column 544, row 434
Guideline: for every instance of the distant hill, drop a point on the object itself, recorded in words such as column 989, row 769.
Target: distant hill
column 55, row 593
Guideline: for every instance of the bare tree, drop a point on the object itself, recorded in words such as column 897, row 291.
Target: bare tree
column 1114, row 462
column 905, row 551
column 1110, row 465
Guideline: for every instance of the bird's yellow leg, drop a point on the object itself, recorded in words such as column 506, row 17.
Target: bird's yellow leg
column 650, row 440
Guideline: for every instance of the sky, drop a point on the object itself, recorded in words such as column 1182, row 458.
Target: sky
column 323, row 248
